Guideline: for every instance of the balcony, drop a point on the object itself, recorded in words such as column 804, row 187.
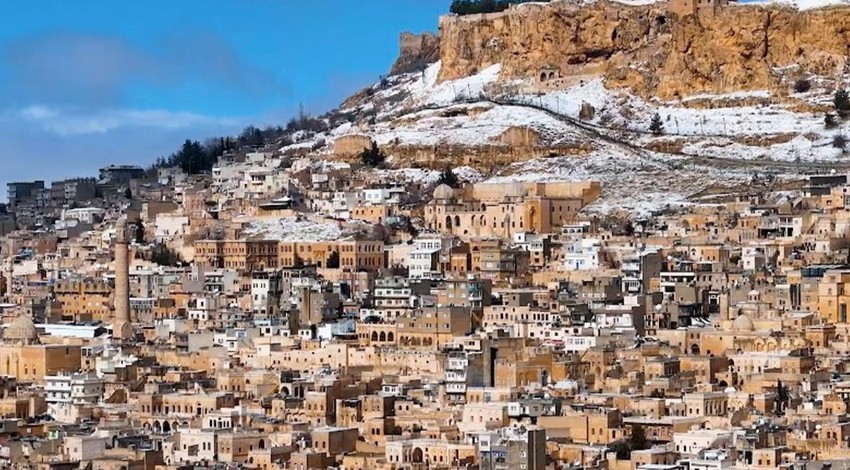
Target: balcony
column 455, row 388
column 457, row 364
column 453, row 376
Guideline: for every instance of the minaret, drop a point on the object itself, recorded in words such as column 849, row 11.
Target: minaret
column 122, row 328
column 10, row 278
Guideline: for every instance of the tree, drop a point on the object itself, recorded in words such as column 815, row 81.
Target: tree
column 164, row 256
column 840, row 142
column 637, row 441
column 802, row 85
column 372, row 156
column 128, row 193
column 656, row 126
column 471, row 7
column 448, row 177
column 621, row 450
column 251, row 137
column 333, row 260
column 140, row 232
column 829, row 121
column 782, row 397
column 841, row 101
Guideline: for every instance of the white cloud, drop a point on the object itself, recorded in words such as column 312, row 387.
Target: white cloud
column 37, row 112
column 69, row 122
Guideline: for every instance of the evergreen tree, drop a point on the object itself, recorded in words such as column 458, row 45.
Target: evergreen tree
column 637, row 441
column 829, row 121
column 372, row 156
column 656, row 126
column 140, row 232
column 251, row 137
column 449, row 178
column 164, row 256
column 841, row 101
column 333, row 260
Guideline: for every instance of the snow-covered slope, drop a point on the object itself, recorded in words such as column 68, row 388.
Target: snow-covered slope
column 709, row 141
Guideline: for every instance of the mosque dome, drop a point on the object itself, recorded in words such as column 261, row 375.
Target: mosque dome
column 22, row 329
column 444, row 191
column 743, row 323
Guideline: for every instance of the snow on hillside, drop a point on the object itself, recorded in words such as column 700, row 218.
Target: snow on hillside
column 631, row 112
column 469, row 125
column 637, row 185
column 801, row 4
column 426, row 90
column 414, row 109
column 427, row 177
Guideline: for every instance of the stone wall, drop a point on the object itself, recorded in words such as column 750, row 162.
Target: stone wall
column 416, row 51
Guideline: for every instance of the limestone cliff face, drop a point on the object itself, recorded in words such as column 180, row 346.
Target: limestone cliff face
column 740, row 47
column 416, row 51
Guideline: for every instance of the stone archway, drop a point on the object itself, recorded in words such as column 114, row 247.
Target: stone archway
column 418, row 456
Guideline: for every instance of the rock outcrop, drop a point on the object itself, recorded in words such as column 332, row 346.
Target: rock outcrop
column 648, row 49
column 416, row 51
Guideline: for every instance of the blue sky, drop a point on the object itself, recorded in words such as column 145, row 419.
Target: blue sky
column 87, row 83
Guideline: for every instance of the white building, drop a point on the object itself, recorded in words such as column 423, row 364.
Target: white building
column 86, row 215
column 691, row 443
column 167, row 226
column 75, row 389
column 582, row 254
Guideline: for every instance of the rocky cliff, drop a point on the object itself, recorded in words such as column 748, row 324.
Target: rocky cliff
column 648, row 49
column 416, row 51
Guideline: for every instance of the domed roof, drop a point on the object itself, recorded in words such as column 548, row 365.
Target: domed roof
column 743, row 323
column 444, row 191
column 21, row 329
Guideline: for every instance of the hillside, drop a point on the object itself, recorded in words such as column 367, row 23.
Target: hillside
column 484, row 109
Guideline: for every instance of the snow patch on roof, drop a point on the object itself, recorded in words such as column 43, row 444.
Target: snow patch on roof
column 296, row 229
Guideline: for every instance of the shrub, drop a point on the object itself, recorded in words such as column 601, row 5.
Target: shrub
column 829, row 121
column 841, row 101
column 840, row 142
column 802, row 85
